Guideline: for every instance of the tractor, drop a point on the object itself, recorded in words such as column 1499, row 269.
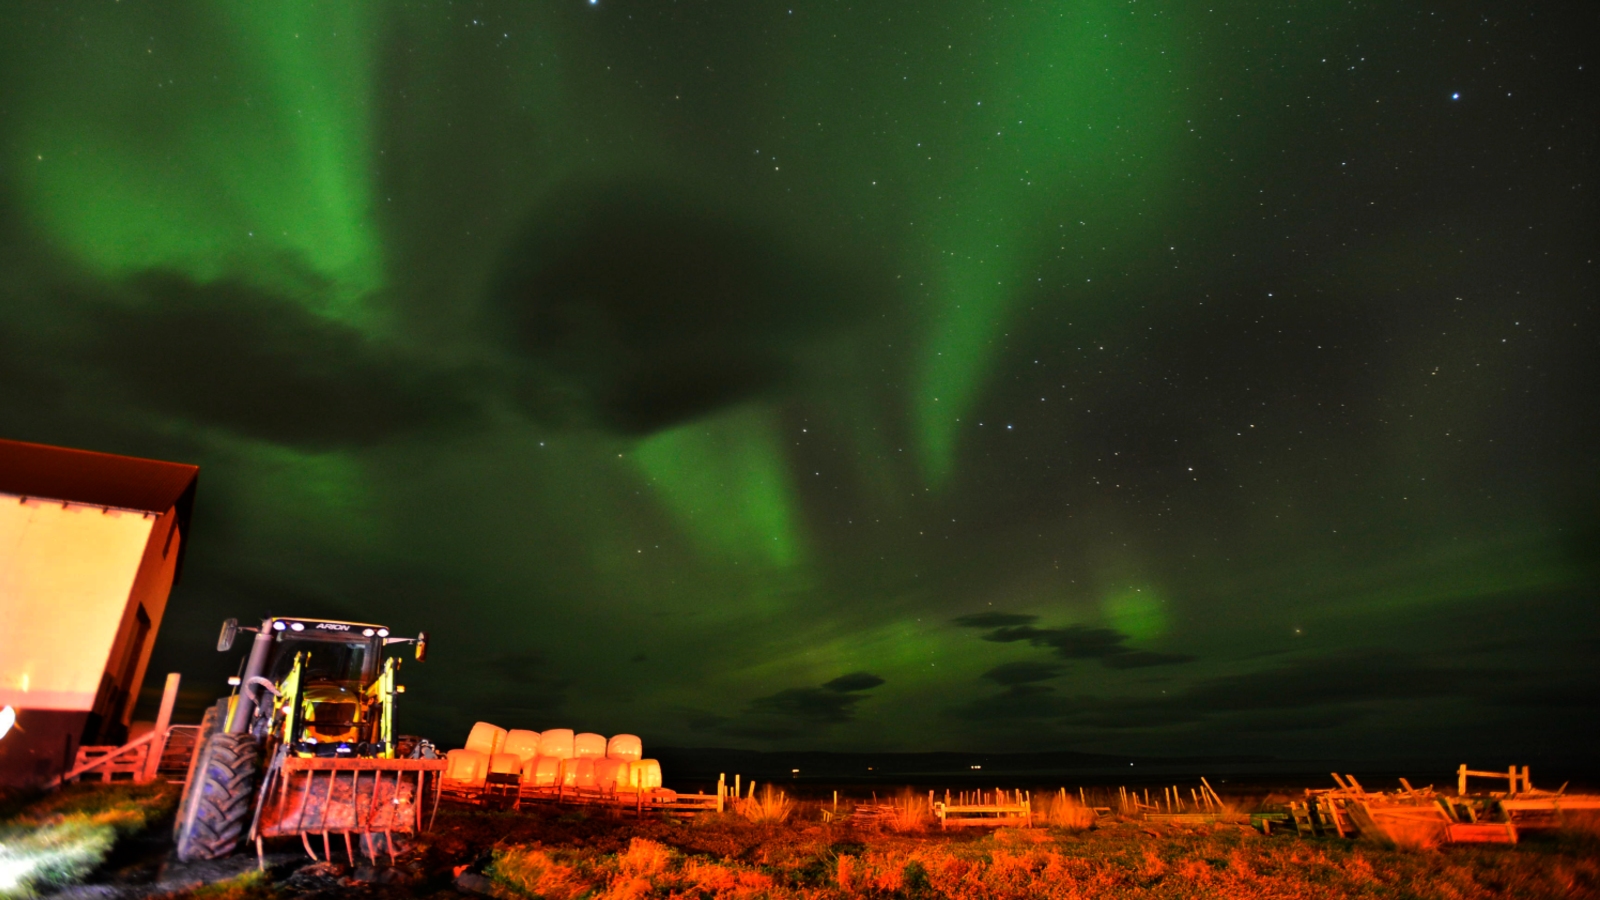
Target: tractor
column 305, row 744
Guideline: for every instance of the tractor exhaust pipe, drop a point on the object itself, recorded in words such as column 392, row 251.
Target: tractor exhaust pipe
column 239, row 723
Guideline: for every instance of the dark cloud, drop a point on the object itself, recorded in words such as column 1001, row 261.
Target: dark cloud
column 855, row 681
column 29, row 391
column 523, row 687
column 993, row 620
column 1334, row 689
column 817, row 705
column 1073, row 642
column 643, row 309
column 1344, row 678
column 701, row 720
column 1019, row 703
column 1551, row 695
column 1140, row 659
column 1027, row 672
column 794, row 712
column 251, row 594
column 1274, row 724
column 228, row 355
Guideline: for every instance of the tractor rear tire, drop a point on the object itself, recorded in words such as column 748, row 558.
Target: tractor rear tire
column 216, row 806
column 209, row 725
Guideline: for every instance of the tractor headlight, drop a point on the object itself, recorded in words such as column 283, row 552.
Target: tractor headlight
column 383, row 632
column 297, row 626
column 367, row 632
column 279, row 625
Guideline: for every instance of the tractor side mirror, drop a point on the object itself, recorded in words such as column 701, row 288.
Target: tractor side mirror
column 422, row 646
column 230, row 629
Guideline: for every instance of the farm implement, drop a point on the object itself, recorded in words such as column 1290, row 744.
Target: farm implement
column 306, row 746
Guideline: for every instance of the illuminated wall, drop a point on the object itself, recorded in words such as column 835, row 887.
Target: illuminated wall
column 67, row 572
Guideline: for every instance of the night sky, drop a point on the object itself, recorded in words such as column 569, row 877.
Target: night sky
column 1138, row 377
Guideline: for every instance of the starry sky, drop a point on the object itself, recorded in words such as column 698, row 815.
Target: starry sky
column 1108, row 375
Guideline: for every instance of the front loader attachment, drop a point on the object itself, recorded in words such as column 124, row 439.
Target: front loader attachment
column 374, row 799
column 326, row 738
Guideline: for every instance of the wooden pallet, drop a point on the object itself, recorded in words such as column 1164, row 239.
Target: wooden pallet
column 984, row 815
column 685, row 805
column 111, row 762
column 870, row 814
column 1424, row 817
column 1182, row 818
column 1482, row 833
column 501, row 790
column 1330, row 815
column 1266, row 822
column 1547, row 810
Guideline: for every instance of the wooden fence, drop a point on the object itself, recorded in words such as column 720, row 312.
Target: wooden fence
column 140, row 760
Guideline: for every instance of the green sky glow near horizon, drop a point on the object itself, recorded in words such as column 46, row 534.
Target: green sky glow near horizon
column 1095, row 374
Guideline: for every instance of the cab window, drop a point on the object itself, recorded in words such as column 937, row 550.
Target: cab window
column 326, row 660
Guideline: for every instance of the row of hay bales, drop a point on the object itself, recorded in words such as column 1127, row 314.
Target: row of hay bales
column 553, row 758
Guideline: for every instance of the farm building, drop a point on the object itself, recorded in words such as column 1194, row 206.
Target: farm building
column 90, row 545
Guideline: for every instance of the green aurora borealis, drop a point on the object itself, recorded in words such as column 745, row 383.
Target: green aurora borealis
column 1116, row 376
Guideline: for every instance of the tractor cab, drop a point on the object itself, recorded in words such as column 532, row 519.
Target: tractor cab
column 332, row 691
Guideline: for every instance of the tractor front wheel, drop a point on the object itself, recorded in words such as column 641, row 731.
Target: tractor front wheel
column 216, row 806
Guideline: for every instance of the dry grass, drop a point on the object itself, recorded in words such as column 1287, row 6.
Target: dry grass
column 52, row 840
column 771, row 807
column 1062, row 810
column 563, row 858
column 646, row 868
column 912, row 812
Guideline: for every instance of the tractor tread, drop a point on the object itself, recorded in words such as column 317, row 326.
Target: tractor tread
column 224, row 790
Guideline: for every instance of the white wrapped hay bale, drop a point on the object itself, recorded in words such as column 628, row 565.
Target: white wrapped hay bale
column 588, row 745
column 625, row 774
column 610, row 774
column 644, row 774
column 625, row 746
column 541, row 771
column 582, row 772
column 466, row 766
column 505, row 764
column 568, row 775
column 486, row 738
column 525, row 744
column 556, row 743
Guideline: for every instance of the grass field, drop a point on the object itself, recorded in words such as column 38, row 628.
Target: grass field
column 571, row 855
column 782, row 848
